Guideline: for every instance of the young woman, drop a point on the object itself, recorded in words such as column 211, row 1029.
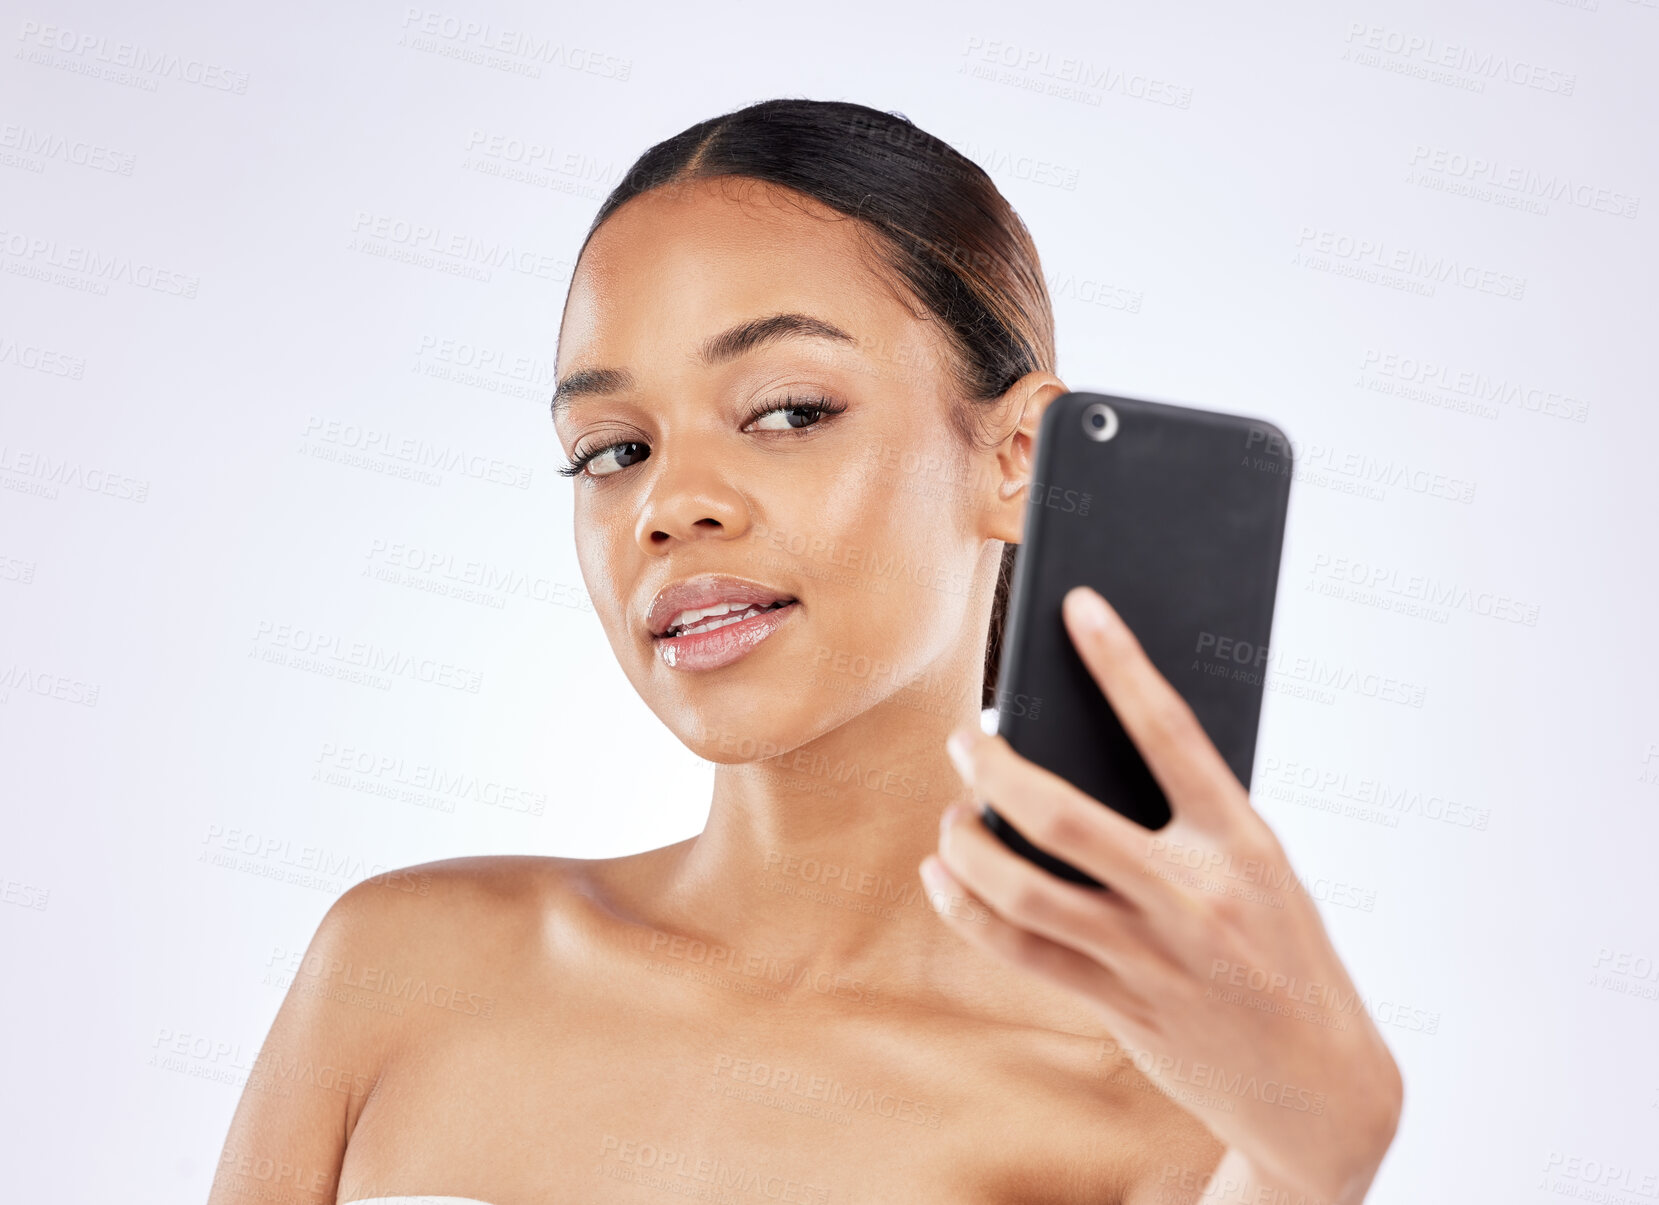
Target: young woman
column 801, row 368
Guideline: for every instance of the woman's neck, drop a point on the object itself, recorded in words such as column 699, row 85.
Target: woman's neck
column 810, row 857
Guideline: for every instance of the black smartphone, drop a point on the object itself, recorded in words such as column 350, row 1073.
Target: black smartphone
column 1177, row 517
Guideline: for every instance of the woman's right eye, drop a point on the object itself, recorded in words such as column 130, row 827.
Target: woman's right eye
column 609, row 460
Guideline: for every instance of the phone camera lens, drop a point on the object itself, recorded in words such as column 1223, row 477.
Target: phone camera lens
column 1100, row 421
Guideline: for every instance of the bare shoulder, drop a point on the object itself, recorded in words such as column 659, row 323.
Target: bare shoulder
column 429, row 902
column 403, row 958
column 397, row 961
column 482, row 918
column 450, row 916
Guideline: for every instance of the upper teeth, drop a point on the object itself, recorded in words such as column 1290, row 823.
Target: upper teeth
column 686, row 619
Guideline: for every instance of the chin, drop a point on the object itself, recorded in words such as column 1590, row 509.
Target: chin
column 766, row 724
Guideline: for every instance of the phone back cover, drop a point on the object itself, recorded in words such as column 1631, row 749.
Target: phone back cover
column 1178, row 521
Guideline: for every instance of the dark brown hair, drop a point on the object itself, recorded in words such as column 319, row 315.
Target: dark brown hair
column 943, row 230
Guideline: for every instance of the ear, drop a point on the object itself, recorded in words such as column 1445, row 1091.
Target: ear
column 1022, row 406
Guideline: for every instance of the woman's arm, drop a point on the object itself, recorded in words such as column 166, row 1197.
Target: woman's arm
column 316, row 1069
column 1207, row 959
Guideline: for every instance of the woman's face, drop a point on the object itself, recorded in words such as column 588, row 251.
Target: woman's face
column 878, row 519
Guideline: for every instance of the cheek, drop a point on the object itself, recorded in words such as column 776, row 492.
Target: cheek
column 914, row 501
column 886, row 551
column 600, row 551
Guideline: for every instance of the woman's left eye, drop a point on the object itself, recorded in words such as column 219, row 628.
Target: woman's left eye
column 790, row 414
column 794, row 413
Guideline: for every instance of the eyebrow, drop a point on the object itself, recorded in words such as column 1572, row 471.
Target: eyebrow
column 728, row 345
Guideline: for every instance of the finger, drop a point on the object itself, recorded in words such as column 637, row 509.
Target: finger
column 1193, row 774
column 1102, row 925
column 1058, row 963
column 1057, row 817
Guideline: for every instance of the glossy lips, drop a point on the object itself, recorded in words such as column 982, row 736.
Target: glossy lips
column 713, row 603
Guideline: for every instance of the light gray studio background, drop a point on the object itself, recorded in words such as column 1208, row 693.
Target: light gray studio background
column 280, row 290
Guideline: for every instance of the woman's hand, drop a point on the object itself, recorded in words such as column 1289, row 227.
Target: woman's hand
column 1207, row 958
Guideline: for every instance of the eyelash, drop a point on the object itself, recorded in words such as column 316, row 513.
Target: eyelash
column 818, row 405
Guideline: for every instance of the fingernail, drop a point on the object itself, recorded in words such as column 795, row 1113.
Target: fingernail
column 957, row 745
column 939, row 886
column 1088, row 609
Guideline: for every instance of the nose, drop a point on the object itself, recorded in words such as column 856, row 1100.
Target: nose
column 690, row 498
